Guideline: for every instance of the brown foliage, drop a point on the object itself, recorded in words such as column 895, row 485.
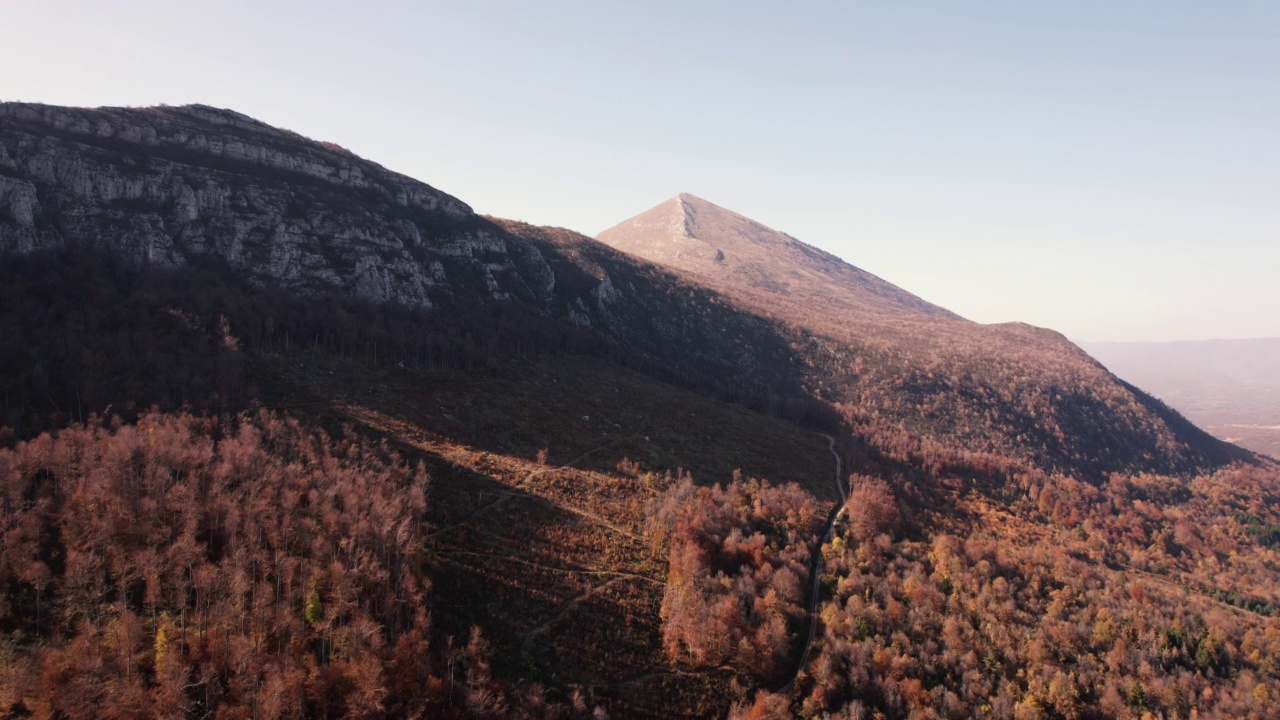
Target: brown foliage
column 1024, row 618
column 251, row 567
column 738, row 562
column 871, row 508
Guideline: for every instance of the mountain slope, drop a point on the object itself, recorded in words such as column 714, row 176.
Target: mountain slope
column 178, row 186
column 774, row 324
column 467, row 492
column 902, row 364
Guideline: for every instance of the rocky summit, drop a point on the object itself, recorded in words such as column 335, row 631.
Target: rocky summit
column 736, row 254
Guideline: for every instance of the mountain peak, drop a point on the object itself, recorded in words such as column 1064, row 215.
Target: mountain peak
column 690, row 229
column 743, row 257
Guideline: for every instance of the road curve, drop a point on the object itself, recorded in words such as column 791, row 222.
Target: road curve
column 816, row 569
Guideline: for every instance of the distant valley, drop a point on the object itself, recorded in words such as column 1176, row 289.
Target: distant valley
column 1229, row 387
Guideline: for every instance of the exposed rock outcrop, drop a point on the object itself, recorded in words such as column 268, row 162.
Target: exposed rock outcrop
column 165, row 184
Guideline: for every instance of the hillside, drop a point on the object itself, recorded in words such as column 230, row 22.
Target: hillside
column 518, row 447
column 1229, row 387
column 527, row 474
column 1007, row 389
column 193, row 187
column 787, row 328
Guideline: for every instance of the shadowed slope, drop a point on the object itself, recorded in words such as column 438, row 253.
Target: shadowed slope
column 903, row 365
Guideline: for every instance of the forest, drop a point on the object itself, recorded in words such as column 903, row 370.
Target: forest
column 1146, row 597
column 186, row 567
column 171, row 547
column 739, row 554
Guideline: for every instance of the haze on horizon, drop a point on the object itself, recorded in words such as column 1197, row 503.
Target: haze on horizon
column 1107, row 172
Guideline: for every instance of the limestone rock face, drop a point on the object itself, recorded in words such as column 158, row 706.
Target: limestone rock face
column 166, row 184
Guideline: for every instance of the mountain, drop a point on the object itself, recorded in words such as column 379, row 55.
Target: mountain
column 177, row 187
column 1229, row 387
column 728, row 251
column 892, row 356
column 775, row 323
column 286, row 434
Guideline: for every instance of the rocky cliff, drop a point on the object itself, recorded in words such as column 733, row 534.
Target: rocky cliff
column 164, row 184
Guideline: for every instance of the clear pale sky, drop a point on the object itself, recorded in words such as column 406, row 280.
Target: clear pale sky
column 1110, row 172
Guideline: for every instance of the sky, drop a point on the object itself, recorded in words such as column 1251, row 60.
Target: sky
column 1108, row 170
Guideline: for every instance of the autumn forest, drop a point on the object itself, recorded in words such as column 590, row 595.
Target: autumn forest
column 569, row 482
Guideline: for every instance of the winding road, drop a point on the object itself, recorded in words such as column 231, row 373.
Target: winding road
column 816, row 569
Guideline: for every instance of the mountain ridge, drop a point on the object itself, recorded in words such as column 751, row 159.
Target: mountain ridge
column 786, row 326
column 61, row 180
column 717, row 244
column 893, row 337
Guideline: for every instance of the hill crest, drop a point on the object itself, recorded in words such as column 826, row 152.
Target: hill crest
column 743, row 257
